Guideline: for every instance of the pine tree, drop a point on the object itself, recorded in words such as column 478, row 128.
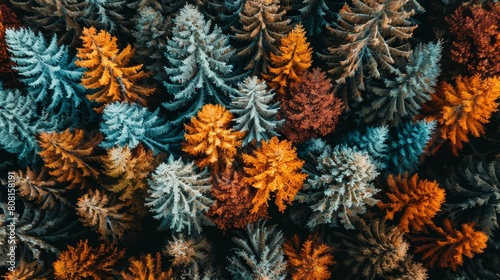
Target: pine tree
column 209, row 137
column 314, row 14
column 178, row 196
column 274, row 167
column 264, row 25
column 126, row 124
column 463, row 108
column 292, row 61
column 107, row 74
column 32, row 270
column 402, row 97
column 67, row 156
column 199, row 72
column 373, row 141
column 51, row 77
column 188, row 251
column 147, row 267
column 312, row 110
column 40, row 189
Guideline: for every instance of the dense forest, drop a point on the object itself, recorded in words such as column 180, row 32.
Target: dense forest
column 257, row 139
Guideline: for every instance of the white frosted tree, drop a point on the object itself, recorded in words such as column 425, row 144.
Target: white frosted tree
column 255, row 114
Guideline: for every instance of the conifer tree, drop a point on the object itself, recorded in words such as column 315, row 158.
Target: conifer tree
column 373, row 141
column 146, row 267
column 199, row 72
column 254, row 110
column 230, row 18
column 126, row 124
column 188, row 252
column 264, row 24
column 291, row 63
column 40, row 189
column 107, row 74
column 314, row 14
column 209, row 137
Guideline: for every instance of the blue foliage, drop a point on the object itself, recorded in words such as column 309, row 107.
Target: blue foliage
column 314, row 15
column 373, row 141
column 128, row 124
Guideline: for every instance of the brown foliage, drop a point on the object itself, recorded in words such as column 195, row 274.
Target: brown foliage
column 309, row 261
column 476, row 42
column 448, row 251
column 84, row 261
column 67, row 155
column 312, row 109
column 233, row 202
column 274, row 167
column 147, row 268
column 418, row 200
column 39, row 188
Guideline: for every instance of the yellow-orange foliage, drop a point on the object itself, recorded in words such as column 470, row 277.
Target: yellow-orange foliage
column 418, row 200
column 274, row 167
column 309, row 261
column 463, row 108
column 86, row 262
column 147, row 268
column 67, row 155
column 209, row 136
column 107, row 70
column 448, row 251
column 293, row 61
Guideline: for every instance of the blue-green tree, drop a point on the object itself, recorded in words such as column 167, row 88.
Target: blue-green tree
column 315, row 15
column 373, row 141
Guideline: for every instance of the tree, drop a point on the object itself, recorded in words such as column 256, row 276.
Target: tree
column 309, row 260
column 233, row 201
column 84, row 261
column 292, row 61
column 274, row 167
column 178, row 195
column 67, row 155
column 463, row 108
column 39, row 189
column 32, row 270
column 343, row 189
column 188, row 251
column 314, row 14
column 417, row 200
column 264, row 25
column 104, row 215
column 7, row 20
column 146, row 267
column 51, row 77
column 255, row 114
column 107, row 73
column 373, row 141
column 448, row 250
column 312, row 110
column 402, row 97
column 259, row 253
column 208, row 135
column 199, row 71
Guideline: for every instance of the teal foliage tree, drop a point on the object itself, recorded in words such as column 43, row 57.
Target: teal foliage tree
column 315, row 15
column 129, row 124
column 255, row 111
column 230, row 18
column 259, row 253
column 49, row 73
column 473, row 192
column 179, row 196
column 373, row 141
column 408, row 145
column 401, row 98
column 199, row 72
column 343, row 188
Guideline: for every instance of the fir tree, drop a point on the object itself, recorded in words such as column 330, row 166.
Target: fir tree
column 373, row 141
column 314, row 14
column 199, row 71
column 145, row 268
column 188, row 252
column 40, row 189
column 254, row 110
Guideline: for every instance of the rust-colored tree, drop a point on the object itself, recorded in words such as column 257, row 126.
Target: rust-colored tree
column 67, row 155
column 448, row 250
column 86, row 262
column 7, row 20
column 274, row 168
column 233, row 201
column 107, row 71
column 292, row 62
column 210, row 137
column 476, row 37
column 312, row 109
column 39, row 188
column 309, row 260
column 463, row 108
column 417, row 200
column 147, row 268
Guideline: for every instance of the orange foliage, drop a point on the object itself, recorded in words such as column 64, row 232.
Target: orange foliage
column 84, row 262
column 463, row 108
column 309, row 261
column 107, row 71
column 418, row 200
column 293, row 61
column 448, row 251
column 208, row 135
column 233, row 202
column 67, row 155
column 274, row 168
column 147, row 268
